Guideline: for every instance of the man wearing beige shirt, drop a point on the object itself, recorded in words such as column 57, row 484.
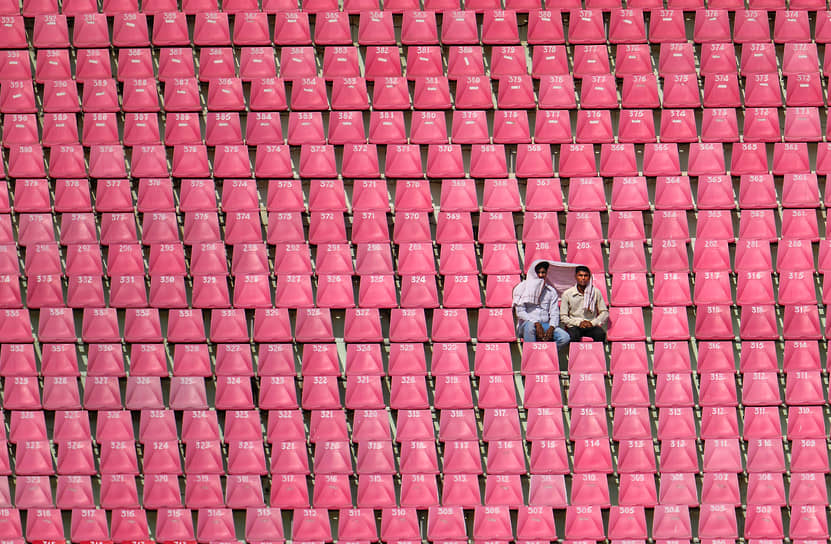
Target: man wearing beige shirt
column 583, row 311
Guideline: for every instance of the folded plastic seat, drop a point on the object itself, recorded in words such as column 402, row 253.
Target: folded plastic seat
column 666, row 26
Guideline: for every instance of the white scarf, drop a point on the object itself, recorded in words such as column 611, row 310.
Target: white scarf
column 529, row 291
column 589, row 297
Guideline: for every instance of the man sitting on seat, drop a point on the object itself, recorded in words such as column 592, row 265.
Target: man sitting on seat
column 537, row 308
column 582, row 310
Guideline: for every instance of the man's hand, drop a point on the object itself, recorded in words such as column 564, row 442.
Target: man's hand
column 549, row 334
column 540, row 331
column 585, row 324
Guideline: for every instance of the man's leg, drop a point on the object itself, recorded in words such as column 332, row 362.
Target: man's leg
column 561, row 337
column 576, row 333
column 596, row 333
column 529, row 332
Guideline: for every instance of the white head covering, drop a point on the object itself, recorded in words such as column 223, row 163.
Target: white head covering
column 530, row 290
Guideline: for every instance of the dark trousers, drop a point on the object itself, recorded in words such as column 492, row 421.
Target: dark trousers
column 595, row 333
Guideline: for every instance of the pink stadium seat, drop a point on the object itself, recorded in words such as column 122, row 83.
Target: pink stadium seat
column 711, row 26
column 317, row 161
column 175, row 63
column 387, row 127
column 169, row 29
column 16, row 37
column 618, row 160
column 507, row 61
column 469, row 127
column 800, row 58
column 184, row 130
column 22, row 130
column 681, row 91
column 501, row 195
column 52, row 64
column 543, row 194
column 488, row 161
column 257, row 63
column 557, row 92
column 426, row 128
column 581, row 226
column 392, row 94
column 633, row 59
column 549, row 60
column 375, row 28
column 60, row 96
column 399, row 523
column 761, row 125
column 267, row 94
column 795, row 255
column 216, row 62
column 419, row 28
column 534, row 160
column 130, row 30
column 627, row 26
column 340, row 62
column 791, row 26
column 545, row 26
column 381, row 62
column 16, row 68
column 586, row 525
column 88, row 524
column 803, row 90
column 717, row 520
column 636, row 126
column 349, row 93
column 459, row 28
column 577, row 160
column 292, row 28
column 822, row 27
column 749, row 26
column 715, row 192
column 266, row 129
column 587, row 27
column 807, row 488
column 678, row 126
column 761, row 90
column 44, row 524
column 263, row 524
column 211, row 28
column 676, row 59
column 626, row 225
column 465, row 61
column 600, row 93
column 516, row 91
column 800, row 191
column 500, row 27
column 626, row 256
column 471, row 93
column 661, row 160
column 758, row 58
column 719, row 125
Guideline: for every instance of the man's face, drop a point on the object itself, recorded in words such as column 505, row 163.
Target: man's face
column 583, row 278
column 542, row 272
